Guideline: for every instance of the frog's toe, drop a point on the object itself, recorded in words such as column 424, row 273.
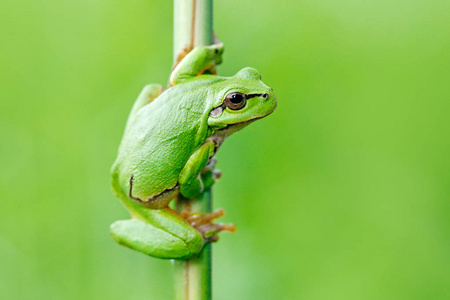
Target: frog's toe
column 209, row 177
column 211, row 164
column 148, row 239
column 203, row 223
column 216, row 175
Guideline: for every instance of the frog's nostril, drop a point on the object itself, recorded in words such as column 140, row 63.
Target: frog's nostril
column 265, row 96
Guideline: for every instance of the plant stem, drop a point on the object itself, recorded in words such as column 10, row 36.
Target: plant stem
column 193, row 26
column 193, row 276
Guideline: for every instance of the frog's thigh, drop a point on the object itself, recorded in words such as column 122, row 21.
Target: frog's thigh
column 151, row 240
column 191, row 185
column 149, row 93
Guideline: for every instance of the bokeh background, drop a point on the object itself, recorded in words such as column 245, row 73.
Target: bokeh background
column 342, row 193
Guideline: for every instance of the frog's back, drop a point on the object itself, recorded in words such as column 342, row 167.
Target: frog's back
column 158, row 142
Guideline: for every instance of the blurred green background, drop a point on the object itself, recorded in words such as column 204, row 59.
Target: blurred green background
column 342, row 193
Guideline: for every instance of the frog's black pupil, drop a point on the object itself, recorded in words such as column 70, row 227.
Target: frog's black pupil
column 236, row 98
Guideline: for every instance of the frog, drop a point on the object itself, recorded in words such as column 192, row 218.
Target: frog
column 168, row 152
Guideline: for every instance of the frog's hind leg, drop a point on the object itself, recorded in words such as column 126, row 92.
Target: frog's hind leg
column 160, row 233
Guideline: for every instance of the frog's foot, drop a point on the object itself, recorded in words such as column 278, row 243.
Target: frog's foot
column 211, row 164
column 217, row 50
column 209, row 175
column 204, row 224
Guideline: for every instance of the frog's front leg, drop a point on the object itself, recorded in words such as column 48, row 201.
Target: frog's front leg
column 198, row 61
column 190, row 180
column 160, row 233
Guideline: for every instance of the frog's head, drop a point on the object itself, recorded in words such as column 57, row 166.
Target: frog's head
column 240, row 100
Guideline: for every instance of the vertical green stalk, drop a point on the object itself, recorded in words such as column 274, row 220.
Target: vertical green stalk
column 192, row 277
column 193, row 26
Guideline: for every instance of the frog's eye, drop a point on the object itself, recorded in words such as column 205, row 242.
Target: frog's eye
column 235, row 101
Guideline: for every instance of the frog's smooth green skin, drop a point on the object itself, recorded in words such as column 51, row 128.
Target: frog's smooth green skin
column 170, row 136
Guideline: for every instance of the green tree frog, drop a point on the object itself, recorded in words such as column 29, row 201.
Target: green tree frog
column 168, row 146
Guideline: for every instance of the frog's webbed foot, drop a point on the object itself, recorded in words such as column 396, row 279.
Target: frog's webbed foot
column 203, row 223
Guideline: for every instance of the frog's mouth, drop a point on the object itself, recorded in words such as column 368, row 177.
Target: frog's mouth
column 237, row 126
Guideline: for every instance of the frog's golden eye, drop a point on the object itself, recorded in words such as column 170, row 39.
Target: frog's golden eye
column 235, row 101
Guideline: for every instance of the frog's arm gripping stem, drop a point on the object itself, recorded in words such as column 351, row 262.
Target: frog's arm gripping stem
column 198, row 61
column 191, row 185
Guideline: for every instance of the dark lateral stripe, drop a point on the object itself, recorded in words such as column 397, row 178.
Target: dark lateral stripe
column 248, row 96
column 152, row 198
